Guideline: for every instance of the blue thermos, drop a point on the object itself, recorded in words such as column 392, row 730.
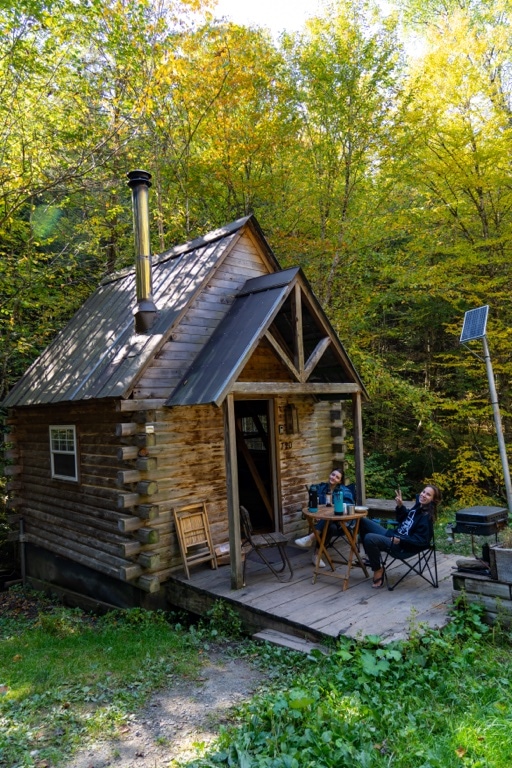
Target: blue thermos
column 337, row 500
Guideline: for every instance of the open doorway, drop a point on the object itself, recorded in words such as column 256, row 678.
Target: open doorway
column 255, row 458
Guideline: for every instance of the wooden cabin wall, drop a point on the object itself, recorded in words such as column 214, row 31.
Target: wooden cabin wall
column 135, row 463
column 106, row 521
column 188, row 466
column 242, row 263
column 307, row 457
column 78, row 520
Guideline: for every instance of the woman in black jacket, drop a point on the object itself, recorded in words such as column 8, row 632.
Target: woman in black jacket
column 414, row 531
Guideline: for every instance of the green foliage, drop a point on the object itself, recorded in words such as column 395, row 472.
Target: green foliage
column 221, row 621
column 385, row 177
column 440, row 697
column 382, row 478
column 430, row 701
column 61, row 622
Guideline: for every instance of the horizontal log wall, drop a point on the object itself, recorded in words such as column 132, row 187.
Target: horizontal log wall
column 78, row 520
column 305, row 458
column 188, row 465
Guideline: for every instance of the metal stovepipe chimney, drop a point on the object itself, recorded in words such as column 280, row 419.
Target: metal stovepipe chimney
column 145, row 313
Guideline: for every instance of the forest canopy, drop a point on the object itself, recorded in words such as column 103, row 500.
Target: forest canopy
column 374, row 148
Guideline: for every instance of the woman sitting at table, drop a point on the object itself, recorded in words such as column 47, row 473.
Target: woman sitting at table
column 413, row 533
column 336, row 482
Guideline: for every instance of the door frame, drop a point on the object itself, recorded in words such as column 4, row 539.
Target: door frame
column 232, row 481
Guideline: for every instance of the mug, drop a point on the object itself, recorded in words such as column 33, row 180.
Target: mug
column 350, row 509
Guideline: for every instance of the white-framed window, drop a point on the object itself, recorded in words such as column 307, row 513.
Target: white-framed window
column 63, row 451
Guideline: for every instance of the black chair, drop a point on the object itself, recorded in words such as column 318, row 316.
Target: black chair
column 260, row 542
column 422, row 563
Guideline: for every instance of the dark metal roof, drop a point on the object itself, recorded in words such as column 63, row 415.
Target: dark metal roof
column 257, row 305
column 98, row 354
column 221, row 360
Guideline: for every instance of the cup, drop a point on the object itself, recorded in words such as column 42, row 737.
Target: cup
column 350, row 509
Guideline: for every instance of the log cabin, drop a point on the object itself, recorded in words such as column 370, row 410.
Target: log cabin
column 207, row 375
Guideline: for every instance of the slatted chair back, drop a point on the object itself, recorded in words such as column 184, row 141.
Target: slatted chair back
column 194, row 536
column 258, row 543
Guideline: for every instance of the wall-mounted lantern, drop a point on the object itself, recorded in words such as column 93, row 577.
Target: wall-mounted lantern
column 291, row 419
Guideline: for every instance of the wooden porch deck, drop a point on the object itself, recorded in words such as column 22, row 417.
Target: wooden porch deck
column 322, row 610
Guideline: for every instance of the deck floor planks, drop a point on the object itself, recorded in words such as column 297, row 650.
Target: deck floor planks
column 380, row 611
column 324, row 608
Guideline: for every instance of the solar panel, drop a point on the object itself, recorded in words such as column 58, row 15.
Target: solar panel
column 474, row 324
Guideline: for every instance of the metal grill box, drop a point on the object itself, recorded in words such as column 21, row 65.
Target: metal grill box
column 480, row 521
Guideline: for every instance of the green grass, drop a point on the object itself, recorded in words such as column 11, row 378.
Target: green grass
column 66, row 676
column 440, row 700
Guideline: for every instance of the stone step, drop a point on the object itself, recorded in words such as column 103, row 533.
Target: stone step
column 289, row 641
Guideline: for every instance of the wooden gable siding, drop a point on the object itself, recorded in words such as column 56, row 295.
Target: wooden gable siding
column 166, row 371
column 264, row 365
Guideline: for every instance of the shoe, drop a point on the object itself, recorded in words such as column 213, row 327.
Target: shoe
column 321, row 564
column 379, row 581
column 306, row 541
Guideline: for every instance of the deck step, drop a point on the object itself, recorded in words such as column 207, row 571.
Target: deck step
column 289, row 641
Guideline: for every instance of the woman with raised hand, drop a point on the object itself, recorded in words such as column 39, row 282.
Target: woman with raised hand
column 414, row 532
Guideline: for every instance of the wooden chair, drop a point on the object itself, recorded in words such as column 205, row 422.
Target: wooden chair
column 260, row 542
column 422, row 563
column 194, row 535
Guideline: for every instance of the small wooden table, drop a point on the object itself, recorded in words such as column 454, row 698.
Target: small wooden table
column 327, row 514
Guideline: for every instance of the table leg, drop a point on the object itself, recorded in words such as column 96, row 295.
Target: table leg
column 322, row 550
column 351, row 537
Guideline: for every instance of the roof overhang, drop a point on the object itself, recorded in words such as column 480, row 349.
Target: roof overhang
column 282, row 309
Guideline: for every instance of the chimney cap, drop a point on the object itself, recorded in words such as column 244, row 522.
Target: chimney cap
column 138, row 177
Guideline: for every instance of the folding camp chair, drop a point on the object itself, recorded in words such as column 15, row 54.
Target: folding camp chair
column 422, row 563
column 260, row 542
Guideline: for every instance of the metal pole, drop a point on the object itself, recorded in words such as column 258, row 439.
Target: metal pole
column 497, row 422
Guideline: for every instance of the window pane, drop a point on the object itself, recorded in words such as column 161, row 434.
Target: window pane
column 64, row 464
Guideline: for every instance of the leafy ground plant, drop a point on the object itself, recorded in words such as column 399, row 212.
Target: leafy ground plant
column 67, row 676
column 439, row 700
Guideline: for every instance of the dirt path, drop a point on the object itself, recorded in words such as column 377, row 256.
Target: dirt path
column 174, row 721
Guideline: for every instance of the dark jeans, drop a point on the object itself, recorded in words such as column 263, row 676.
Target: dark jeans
column 374, row 540
column 334, row 530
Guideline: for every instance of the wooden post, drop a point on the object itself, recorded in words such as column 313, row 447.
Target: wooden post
column 357, row 421
column 235, row 541
column 298, row 342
